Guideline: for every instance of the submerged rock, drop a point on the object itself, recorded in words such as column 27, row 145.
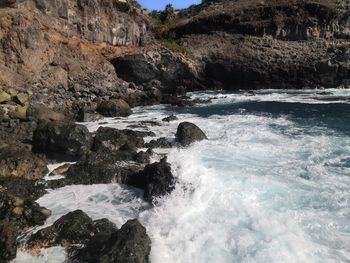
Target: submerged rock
column 65, row 140
column 188, row 133
column 156, row 180
column 170, row 118
column 130, row 244
column 114, row 108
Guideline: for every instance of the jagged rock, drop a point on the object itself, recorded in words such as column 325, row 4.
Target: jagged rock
column 113, row 139
column 42, row 113
column 156, row 179
column 159, row 143
column 105, row 166
column 114, row 108
column 8, row 241
column 17, row 161
column 66, row 140
column 170, row 118
column 73, row 228
column 130, row 244
column 22, row 212
column 23, row 188
column 88, row 116
column 188, row 133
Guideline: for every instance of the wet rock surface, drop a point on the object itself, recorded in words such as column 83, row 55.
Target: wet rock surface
column 156, row 179
column 130, row 244
column 188, row 133
column 71, row 229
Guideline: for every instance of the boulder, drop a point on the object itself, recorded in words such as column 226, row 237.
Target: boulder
column 113, row 139
column 130, row 244
column 8, row 241
column 156, row 179
column 17, row 161
column 73, row 228
column 188, row 133
column 114, row 108
column 43, row 113
column 105, row 166
column 63, row 140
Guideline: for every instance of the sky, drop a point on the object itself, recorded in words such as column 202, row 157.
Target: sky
column 160, row 4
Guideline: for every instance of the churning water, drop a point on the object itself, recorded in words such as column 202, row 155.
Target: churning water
column 272, row 183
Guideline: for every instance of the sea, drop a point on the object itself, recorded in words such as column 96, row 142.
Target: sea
column 271, row 183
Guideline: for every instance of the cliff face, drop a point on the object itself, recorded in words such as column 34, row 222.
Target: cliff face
column 59, row 49
column 273, row 44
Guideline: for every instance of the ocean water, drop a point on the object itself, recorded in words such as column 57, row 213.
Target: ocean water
column 272, row 183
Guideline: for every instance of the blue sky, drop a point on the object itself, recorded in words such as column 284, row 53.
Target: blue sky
column 160, row 4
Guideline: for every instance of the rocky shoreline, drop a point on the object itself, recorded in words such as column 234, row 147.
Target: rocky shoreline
column 64, row 62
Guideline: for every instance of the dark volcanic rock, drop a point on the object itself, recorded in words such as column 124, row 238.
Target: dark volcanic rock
column 114, row 108
column 105, row 166
column 18, row 161
column 159, row 143
column 160, row 65
column 113, row 139
column 130, row 244
column 156, row 180
column 73, row 228
column 188, row 133
column 65, row 140
column 8, row 243
column 23, row 188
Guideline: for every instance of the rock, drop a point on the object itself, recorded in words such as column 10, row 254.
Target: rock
column 188, row 133
column 64, row 140
column 21, row 98
column 21, row 112
column 61, row 170
column 23, row 188
column 4, row 97
column 113, row 139
column 114, row 108
column 130, row 244
column 105, row 166
column 42, row 113
column 73, row 228
column 156, row 179
column 89, row 116
column 159, row 143
column 8, row 241
column 21, row 211
column 170, row 118
column 16, row 161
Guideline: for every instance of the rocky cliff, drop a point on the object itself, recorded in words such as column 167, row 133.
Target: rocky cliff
column 275, row 44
